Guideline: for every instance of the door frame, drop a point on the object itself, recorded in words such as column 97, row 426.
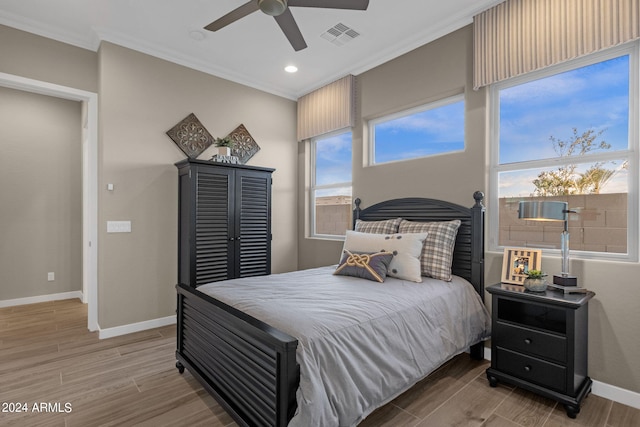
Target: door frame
column 89, row 102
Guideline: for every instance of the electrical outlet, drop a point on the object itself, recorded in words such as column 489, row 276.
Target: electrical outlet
column 51, row 276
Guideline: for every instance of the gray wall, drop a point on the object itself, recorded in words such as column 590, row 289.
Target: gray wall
column 39, row 58
column 430, row 72
column 141, row 97
column 40, row 195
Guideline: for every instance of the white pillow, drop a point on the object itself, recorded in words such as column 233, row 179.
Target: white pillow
column 405, row 247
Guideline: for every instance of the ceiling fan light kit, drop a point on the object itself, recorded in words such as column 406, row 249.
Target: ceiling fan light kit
column 279, row 9
column 272, row 7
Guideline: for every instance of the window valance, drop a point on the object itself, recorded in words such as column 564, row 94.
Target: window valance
column 327, row 109
column 520, row 36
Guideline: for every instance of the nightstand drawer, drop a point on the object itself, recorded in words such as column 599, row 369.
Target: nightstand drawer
column 531, row 369
column 513, row 337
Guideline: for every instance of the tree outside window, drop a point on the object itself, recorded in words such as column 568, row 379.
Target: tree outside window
column 567, row 180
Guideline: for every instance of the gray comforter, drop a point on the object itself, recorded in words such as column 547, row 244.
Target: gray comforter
column 361, row 343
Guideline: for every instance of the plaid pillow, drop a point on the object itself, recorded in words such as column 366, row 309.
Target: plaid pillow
column 388, row 226
column 437, row 252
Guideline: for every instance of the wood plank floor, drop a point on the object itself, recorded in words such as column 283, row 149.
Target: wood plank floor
column 59, row 374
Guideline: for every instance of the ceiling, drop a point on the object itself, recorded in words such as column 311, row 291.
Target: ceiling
column 252, row 51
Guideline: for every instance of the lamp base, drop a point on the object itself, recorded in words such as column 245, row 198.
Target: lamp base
column 565, row 280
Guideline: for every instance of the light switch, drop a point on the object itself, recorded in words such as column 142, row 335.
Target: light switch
column 118, row 226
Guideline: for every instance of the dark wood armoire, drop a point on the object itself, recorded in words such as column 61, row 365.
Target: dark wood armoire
column 224, row 221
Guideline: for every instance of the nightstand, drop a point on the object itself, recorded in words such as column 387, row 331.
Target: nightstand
column 539, row 342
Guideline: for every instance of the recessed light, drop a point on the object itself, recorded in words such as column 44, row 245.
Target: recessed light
column 197, row 35
column 291, row 68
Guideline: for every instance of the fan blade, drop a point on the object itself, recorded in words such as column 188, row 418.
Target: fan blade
column 291, row 30
column 331, row 4
column 233, row 16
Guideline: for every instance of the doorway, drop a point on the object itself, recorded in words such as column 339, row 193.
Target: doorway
column 89, row 101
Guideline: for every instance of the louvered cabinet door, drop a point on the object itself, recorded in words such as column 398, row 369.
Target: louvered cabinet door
column 213, row 242
column 253, row 223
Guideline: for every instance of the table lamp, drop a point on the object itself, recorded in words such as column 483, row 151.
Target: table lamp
column 552, row 211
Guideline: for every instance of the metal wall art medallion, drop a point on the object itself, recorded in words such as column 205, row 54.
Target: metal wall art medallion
column 191, row 136
column 244, row 146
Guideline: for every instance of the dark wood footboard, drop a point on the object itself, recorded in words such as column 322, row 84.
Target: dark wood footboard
column 247, row 365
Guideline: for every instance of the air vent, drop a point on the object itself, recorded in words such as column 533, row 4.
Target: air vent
column 340, row 34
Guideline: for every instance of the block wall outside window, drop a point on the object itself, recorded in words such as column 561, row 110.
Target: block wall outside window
column 333, row 215
column 600, row 225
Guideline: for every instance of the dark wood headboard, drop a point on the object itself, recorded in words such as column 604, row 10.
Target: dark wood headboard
column 468, row 256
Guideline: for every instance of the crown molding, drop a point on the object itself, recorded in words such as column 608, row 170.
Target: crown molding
column 88, row 41
column 175, row 57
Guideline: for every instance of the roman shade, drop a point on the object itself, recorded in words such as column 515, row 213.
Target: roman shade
column 327, row 109
column 520, row 36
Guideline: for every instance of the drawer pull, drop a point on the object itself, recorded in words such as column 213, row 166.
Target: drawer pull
column 527, row 368
column 527, row 340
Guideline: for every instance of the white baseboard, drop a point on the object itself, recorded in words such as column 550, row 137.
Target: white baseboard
column 487, row 353
column 608, row 391
column 136, row 327
column 40, row 298
column 620, row 395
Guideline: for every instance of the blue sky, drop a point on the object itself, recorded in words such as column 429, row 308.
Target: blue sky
column 333, row 160
column 426, row 133
column 593, row 97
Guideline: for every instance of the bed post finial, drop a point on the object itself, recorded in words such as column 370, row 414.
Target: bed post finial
column 478, row 197
column 356, row 212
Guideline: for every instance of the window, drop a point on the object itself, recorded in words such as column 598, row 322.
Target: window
column 331, row 185
column 569, row 133
column 431, row 129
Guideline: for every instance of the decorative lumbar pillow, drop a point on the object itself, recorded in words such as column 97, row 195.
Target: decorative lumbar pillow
column 364, row 265
column 387, row 226
column 437, row 253
column 406, row 249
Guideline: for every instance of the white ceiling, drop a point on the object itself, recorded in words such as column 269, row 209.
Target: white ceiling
column 252, row 51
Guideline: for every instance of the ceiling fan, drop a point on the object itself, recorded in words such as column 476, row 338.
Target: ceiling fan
column 279, row 9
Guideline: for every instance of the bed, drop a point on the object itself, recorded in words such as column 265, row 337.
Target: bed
column 272, row 357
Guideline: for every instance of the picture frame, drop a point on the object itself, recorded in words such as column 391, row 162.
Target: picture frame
column 517, row 262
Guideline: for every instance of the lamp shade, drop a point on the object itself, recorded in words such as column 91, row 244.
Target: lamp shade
column 543, row 211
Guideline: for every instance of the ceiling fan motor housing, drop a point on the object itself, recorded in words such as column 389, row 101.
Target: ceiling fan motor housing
column 272, row 7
